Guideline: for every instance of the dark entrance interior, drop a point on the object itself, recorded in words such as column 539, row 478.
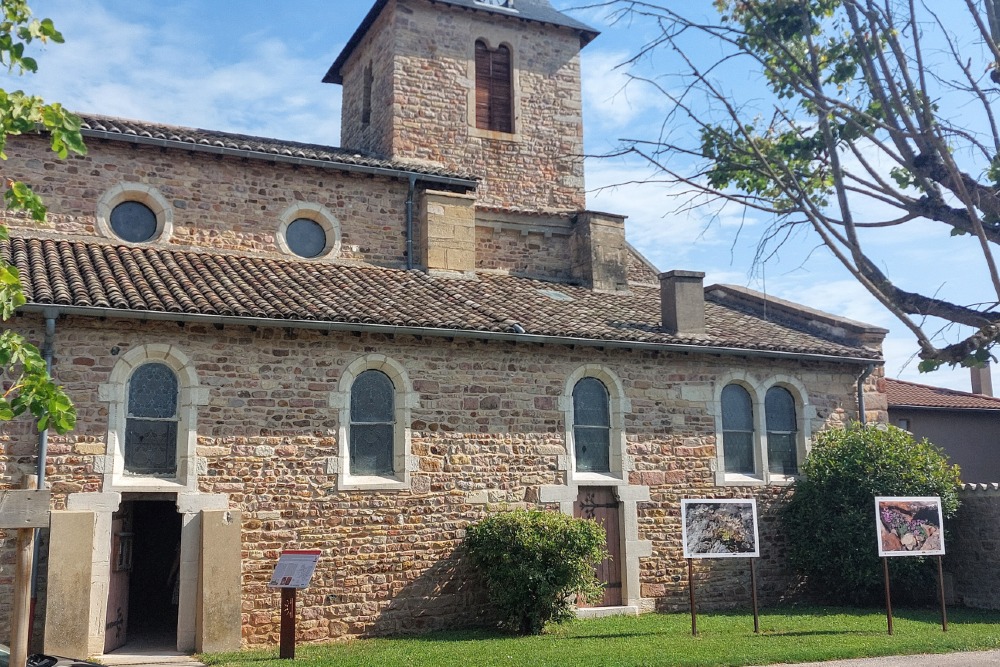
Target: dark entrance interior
column 154, row 528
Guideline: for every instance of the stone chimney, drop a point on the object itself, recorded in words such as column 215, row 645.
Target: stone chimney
column 682, row 301
column 445, row 233
column 600, row 253
column 982, row 380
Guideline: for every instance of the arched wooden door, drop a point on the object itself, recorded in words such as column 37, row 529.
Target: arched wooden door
column 600, row 504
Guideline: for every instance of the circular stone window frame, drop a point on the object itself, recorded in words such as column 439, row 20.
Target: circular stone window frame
column 318, row 214
column 143, row 194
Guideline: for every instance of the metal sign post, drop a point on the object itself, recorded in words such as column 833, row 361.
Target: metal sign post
column 694, row 614
column 293, row 571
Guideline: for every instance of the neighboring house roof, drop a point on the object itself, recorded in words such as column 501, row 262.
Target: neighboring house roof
column 157, row 283
column 540, row 11
column 274, row 150
column 902, row 394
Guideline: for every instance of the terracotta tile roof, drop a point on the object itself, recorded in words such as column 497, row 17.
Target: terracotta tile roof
column 112, row 128
column 910, row 394
column 145, row 279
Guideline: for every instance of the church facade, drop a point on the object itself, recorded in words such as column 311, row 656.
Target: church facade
column 274, row 345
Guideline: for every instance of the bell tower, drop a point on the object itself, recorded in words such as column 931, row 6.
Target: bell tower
column 485, row 88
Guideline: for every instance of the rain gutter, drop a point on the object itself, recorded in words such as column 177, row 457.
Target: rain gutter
column 512, row 337
column 276, row 157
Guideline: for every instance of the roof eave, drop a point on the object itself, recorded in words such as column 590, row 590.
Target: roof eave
column 451, row 181
column 333, row 74
column 53, row 310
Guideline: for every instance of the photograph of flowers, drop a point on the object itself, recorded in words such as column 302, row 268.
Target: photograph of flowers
column 909, row 526
column 721, row 528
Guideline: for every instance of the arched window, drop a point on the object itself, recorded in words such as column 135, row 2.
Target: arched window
column 591, row 426
column 782, row 434
column 737, row 430
column 150, row 446
column 373, row 424
column 494, row 88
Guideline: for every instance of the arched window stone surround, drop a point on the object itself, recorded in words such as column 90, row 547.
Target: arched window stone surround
column 494, row 37
column 144, row 194
column 804, row 414
column 318, row 214
column 619, row 405
column 628, row 495
column 404, row 463
column 190, row 397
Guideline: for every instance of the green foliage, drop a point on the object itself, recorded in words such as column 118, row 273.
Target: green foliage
column 28, row 387
column 830, row 519
column 534, row 563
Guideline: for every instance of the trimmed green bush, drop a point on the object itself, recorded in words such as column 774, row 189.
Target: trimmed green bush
column 830, row 519
column 535, row 564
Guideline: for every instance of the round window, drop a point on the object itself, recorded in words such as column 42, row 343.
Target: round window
column 305, row 237
column 133, row 221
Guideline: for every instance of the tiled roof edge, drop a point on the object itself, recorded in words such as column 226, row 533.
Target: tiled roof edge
column 587, row 34
column 815, row 321
column 397, row 170
column 943, row 391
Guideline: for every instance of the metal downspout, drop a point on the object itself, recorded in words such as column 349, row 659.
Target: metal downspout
column 861, row 391
column 409, row 222
column 48, row 347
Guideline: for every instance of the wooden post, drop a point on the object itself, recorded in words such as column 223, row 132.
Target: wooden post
column 944, row 611
column 888, row 599
column 287, row 647
column 22, row 589
column 694, row 613
column 753, row 597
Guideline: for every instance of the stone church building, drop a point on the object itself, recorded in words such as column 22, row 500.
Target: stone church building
column 275, row 345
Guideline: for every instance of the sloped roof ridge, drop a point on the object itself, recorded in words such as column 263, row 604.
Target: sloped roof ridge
column 540, row 11
column 115, row 127
column 782, row 311
column 902, row 393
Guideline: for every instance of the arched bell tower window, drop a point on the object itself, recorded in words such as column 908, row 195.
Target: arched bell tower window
column 494, row 88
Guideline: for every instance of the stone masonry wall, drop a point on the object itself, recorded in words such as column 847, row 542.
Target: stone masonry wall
column 487, row 433
column 540, row 166
column 973, row 548
column 219, row 203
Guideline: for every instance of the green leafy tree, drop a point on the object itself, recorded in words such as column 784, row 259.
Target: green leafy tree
column 880, row 116
column 830, row 519
column 535, row 564
column 27, row 386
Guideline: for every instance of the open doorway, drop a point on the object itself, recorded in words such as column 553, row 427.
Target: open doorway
column 144, row 584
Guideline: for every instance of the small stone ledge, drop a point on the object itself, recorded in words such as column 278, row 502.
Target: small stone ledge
column 604, row 612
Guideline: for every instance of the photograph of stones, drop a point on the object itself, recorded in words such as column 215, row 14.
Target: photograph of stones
column 909, row 526
column 722, row 528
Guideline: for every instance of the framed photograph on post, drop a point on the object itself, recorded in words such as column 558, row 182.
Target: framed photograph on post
column 720, row 528
column 909, row 526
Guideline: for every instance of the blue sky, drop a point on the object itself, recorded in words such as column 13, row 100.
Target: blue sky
column 237, row 65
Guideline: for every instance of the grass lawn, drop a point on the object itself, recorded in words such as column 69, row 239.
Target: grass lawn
column 787, row 635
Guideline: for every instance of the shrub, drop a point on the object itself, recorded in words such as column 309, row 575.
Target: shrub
column 830, row 519
column 535, row 563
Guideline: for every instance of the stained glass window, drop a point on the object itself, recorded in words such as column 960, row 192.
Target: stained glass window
column 373, row 424
column 737, row 429
column 305, row 237
column 151, row 424
column 591, row 426
column 133, row 221
column 779, row 411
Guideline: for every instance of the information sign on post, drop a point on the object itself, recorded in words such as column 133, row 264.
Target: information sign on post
column 720, row 528
column 910, row 526
column 294, row 571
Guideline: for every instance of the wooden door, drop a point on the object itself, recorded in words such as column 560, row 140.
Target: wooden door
column 599, row 503
column 116, row 623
